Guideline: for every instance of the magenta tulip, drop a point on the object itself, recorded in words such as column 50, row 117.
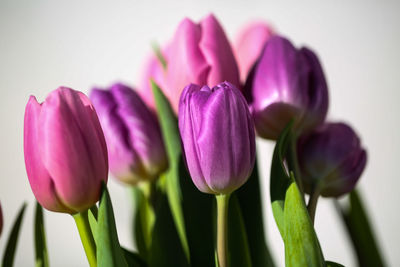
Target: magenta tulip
column 1, row 220
column 218, row 137
column 332, row 159
column 286, row 84
column 249, row 45
column 135, row 146
column 65, row 151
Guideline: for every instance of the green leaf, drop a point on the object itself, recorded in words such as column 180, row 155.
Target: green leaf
column 109, row 252
column 92, row 216
column 333, row 264
column 41, row 255
column 361, row 233
column 169, row 128
column 198, row 215
column 301, row 243
column 9, row 254
column 250, row 202
column 133, row 259
column 166, row 248
column 238, row 247
column 279, row 177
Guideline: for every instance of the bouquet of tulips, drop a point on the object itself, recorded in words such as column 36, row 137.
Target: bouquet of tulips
column 185, row 146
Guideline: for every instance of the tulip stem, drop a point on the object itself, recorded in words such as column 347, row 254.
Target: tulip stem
column 222, row 229
column 82, row 222
column 312, row 202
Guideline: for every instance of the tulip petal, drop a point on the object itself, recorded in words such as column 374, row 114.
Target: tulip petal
column 190, row 115
column 218, row 53
column 41, row 182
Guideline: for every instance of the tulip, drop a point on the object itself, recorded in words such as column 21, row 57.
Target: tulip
column 65, row 151
column 1, row 220
column 331, row 159
column 135, row 147
column 218, row 137
column 199, row 54
column 249, row 45
column 286, row 84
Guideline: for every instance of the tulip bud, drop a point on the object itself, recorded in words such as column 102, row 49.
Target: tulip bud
column 65, row 151
column 1, row 220
column 286, row 84
column 332, row 159
column 218, row 137
column 199, row 54
column 249, row 45
column 135, row 146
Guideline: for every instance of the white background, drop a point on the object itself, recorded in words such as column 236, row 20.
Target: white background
column 45, row 44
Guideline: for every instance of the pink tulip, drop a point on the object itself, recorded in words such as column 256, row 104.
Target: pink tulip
column 65, row 151
column 249, row 45
column 1, row 220
column 199, row 53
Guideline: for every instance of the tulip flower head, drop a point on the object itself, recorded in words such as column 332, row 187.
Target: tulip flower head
column 332, row 158
column 218, row 137
column 1, row 220
column 286, row 84
column 249, row 45
column 135, row 147
column 65, row 151
column 199, row 53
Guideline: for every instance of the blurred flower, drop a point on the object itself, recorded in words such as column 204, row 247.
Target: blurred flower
column 65, row 151
column 199, row 54
column 135, row 146
column 218, row 137
column 1, row 220
column 249, row 45
column 286, row 84
column 332, row 159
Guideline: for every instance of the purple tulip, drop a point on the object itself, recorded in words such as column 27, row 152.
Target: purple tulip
column 249, row 45
column 65, row 151
column 199, row 54
column 135, row 146
column 286, row 84
column 218, row 137
column 331, row 157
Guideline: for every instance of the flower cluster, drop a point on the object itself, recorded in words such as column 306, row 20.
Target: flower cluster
column 202, row 100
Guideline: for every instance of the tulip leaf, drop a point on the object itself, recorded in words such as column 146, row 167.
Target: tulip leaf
column 109, row 252
column 358, row 226
column 41, row 255
column 280, row 179
column 291, row 216
column 198, row 214
column 166, row 248
column 92, row 216
column 301, row 243
column 170, row 132
column 250, row 201
column 332, row 264
column 9, row 253
column 133, row 259
column 238, row 247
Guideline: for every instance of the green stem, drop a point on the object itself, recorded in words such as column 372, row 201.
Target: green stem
column 312, row 202
column 222, row 229
column 82, row 222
